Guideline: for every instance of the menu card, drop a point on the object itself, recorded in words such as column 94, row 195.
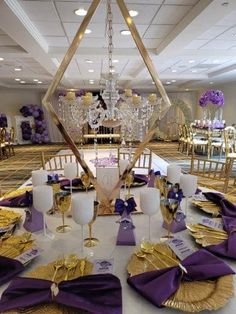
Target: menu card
column 180, row 247
column 216, row 223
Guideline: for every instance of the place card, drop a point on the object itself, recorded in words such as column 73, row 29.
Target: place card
column 28, row 255
column 180, row 247
column 200, row 198
column 215, row 223
column 103, row 266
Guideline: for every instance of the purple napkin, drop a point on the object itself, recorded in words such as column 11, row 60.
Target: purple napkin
column 9, row 268
column 227, row 208
column 24, row 200
column 228, row 247
column 157, row 286
column 100, row 294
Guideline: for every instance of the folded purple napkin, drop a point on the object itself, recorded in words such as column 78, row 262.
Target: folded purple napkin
column 9, row 268
column 157, row 286
column 100, row 294
column 227, row 208
column 228, row 247
column 24, row 200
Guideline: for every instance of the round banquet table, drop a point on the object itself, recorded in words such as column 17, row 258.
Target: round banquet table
column 105, row 229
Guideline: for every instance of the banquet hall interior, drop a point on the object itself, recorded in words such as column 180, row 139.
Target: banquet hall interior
column 117, row 156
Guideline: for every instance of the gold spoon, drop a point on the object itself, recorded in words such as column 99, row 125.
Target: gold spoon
column 144, row 256
column 148, row 248
column 70, row 263
column 82, row 266
column 57, row 265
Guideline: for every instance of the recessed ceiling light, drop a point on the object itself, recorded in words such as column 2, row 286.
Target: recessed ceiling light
column 18, row 69
column 35, row 80
column 173, row 81
column 1, row 59
column 91, row 82
column 91, row 70
column 194, row 71
column 112, row 70
column 211, row 83
column 39, row 82
column 191, row 61
column 22, row 82
column 125, row 32
column 89, row 61
column 186, row 89
column 216, row 61
column 88, row 31
column 80, row 12
column 168, row 83
column 133, row 13
column 174, row 71
column 17, row 79
column 115, row 61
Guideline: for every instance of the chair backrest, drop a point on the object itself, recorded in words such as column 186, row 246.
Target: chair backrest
column 12, row 135
column 2, row 135
column 213, row 170
column 230, row 139
column 107, row 179
column 144, row 162
column 56, row 162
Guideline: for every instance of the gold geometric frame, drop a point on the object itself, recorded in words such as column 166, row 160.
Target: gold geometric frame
column 62, row 68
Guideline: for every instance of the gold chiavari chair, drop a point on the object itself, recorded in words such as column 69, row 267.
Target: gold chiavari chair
column 199, row 141
column 143, row 163
column 180, row 137
column 3, row 148
column 213, row 172
column 56, row 162
column 10, row 142
column 230, row 141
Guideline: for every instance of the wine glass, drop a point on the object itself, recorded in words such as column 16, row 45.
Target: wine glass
column 128, row 181
column 82, row 211
column 188, row 184
column 85, row 180
column 150, row 203
column 43, row 201
column 90, row 241
column 70, row 172
column 173, row 173
column 39, row 177
column 63, row 201
column 168, row 209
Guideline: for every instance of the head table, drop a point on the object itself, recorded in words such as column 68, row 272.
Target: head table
column 105, row 229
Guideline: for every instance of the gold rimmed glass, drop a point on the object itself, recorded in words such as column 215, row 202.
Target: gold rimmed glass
column 63, row 201
column 169, row 208
column 85, row 180
column 91, row 241
column 129, row 181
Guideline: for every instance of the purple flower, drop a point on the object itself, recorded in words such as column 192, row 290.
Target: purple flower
column 215, row 97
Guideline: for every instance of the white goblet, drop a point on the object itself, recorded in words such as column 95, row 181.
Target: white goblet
column 71, row 172
column 123, row 163
column 188, row 184
column 39, row 177
column 173, row 173
column 82, row 211
column 43, row 202
column 150, row 203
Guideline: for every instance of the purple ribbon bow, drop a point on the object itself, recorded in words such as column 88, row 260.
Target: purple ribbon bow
column 125, row 206
column 9, row 268
column 228, row 247
column 24, row 200
column 100, row 294
column 227, row 208
column 157, row 286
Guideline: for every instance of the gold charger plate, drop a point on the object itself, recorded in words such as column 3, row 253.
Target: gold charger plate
column 191, row 296
column 211, row 208
column 46, row 272
column 205, row 236
column 8, row 217
column 18, row 192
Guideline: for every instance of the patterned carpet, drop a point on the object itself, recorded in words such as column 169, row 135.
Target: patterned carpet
column 15, row 170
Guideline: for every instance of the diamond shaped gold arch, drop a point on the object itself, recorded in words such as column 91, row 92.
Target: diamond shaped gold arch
column 62, row 68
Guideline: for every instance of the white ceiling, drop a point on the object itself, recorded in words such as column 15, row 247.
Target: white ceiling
column 35, row 35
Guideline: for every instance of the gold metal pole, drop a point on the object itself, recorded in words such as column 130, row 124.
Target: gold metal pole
column 57, row 78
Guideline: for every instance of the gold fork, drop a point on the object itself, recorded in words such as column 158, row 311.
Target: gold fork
column 57, row 265
column 70, row 263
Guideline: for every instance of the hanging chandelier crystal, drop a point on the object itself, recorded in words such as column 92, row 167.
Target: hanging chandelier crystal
column 127, row 110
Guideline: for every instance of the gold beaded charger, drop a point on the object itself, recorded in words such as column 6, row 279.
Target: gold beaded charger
column 190, row 297
column 8, row 218
column 47, row 272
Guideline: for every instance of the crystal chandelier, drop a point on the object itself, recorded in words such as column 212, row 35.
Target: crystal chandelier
column 127, row 110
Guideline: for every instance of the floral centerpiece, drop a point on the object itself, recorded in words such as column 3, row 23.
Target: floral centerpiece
column 212, row 102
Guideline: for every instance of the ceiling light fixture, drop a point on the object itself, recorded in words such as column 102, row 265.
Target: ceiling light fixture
column 39, row 82
column 89, row 61
column 125, row 32
column 173, row 81
column 17, row 79
column 88, row 31
column 194, row 71
column 191, row 61
column 211, row 83
column 80, row 12
column 91, row 70
column 168, row 83
column 133, row 13
column 174, row 71
column 35, row 80
column 22, row 82
column 18, row 69
column 115, row 61
column 1, row 59
column 186, row 89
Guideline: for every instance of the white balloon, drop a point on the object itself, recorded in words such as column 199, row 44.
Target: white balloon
column 150, row 201
column 82, row 209
column 43, row 198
